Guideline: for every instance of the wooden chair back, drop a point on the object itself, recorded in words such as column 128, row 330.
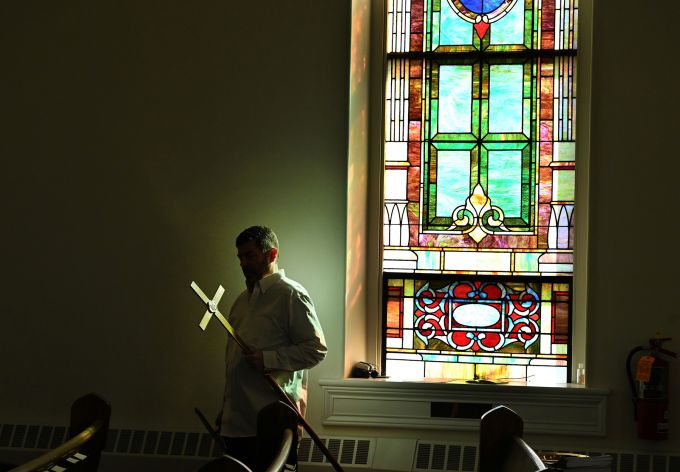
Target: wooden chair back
column 276, row 441
column 277, row 426
column 501, row 447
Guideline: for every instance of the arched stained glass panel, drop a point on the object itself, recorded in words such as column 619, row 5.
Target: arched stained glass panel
column 479, row 195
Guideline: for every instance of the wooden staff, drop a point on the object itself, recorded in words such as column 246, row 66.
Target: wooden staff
column 214, row 311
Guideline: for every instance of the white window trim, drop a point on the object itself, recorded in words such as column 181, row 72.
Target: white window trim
column 377, row 403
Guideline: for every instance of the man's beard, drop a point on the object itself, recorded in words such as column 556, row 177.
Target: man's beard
column 254, row 275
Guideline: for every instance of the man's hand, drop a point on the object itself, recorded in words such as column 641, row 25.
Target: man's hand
column 256, row 360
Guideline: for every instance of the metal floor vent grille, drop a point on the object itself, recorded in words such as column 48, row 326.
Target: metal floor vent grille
column 441, row 456
column 355, row 452
column 123, row 441
column 463, row 458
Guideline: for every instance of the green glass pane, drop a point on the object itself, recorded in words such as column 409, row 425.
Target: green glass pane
column 454, row 30
column 505, row 179
column 564, row 151
column 457, row 146
column 510, row 28
column 455, row 103
column 526, row 262
column 563, row 185
column 505, row 98
column 505, row 146
column 561, row 349
column 408, row 288
column 428, row 260
column 453, row 180
column 435, row 31
column 517, row 361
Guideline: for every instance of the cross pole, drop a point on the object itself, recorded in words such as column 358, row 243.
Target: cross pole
column 214, row 311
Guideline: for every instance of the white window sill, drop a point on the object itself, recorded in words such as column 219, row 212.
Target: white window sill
column 566, row 409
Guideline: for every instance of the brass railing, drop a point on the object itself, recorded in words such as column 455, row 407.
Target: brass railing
column 90, row 416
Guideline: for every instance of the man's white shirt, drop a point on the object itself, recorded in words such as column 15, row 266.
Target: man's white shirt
column 278, row 318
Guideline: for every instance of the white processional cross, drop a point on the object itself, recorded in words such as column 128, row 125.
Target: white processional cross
column 214, row 311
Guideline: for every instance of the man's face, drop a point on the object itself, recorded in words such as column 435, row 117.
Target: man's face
column 254, row 263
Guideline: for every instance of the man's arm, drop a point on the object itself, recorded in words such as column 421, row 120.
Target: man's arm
column 308, row 344
column 255, row 359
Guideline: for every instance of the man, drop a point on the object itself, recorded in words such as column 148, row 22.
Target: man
column 276, row 319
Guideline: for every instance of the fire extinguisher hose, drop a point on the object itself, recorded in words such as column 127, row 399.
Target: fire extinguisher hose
column 631, row 381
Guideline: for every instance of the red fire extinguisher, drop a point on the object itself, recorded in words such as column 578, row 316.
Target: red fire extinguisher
column 649, row 386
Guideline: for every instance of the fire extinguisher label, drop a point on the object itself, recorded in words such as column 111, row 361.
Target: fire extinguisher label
column 656, row 387
column 644, row 368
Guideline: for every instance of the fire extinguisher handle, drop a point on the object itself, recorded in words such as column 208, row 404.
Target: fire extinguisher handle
column 656, row 344
column 667, row 352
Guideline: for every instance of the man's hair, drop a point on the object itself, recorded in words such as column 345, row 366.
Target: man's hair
column 263, row 237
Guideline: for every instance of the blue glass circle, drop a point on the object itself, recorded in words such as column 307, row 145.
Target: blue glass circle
column 482, row 6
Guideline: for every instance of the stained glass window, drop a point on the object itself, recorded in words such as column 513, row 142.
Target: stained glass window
column 479, row 172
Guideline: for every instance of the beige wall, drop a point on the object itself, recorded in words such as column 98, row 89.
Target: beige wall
column 139, row 137
column 633, row 255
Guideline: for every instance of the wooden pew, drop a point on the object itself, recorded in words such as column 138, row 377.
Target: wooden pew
column 501, row 447
column 89, row 425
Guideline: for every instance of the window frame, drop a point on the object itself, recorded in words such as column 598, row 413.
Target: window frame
column 363, row 301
